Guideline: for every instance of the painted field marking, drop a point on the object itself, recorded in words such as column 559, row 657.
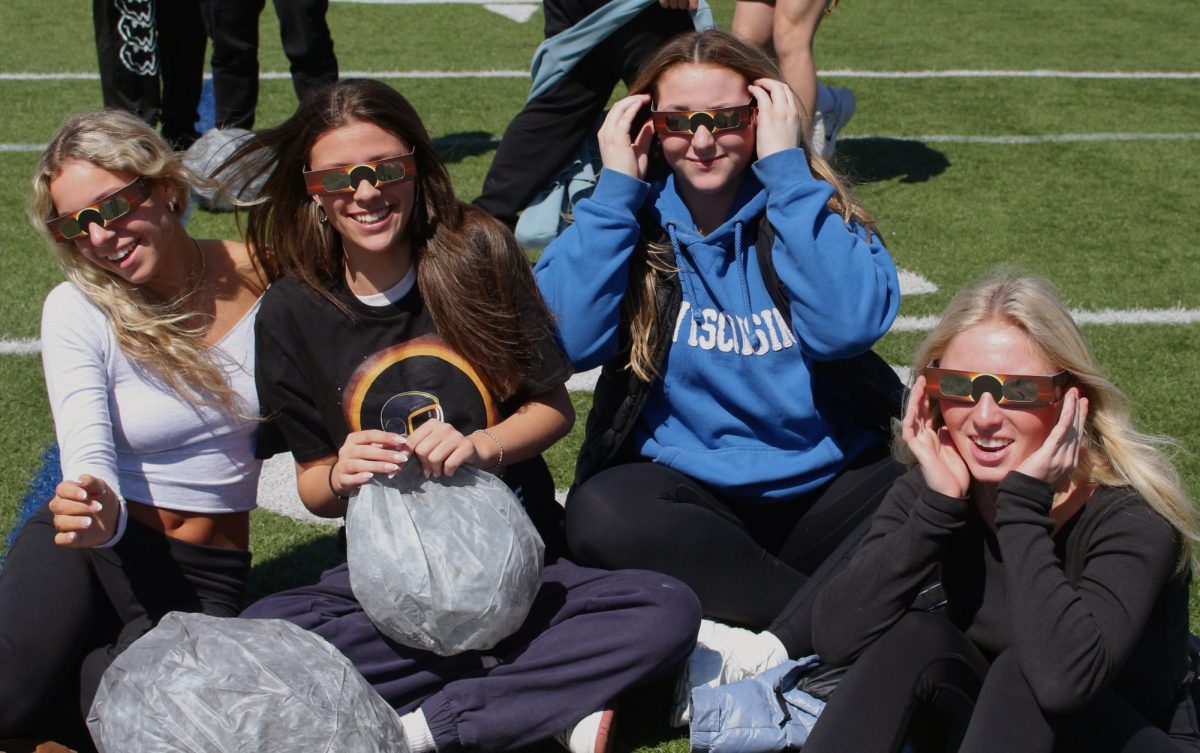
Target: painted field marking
column 277, row 484
column 1002, row 140
column 1049, row 138
column 841, row 73
column 1100, row 317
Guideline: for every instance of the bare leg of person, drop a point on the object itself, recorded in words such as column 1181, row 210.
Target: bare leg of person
column 795, row 28
column 754, row 23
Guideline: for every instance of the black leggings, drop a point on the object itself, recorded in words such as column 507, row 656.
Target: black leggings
column 65, row 615
column 925, row 682
column 755, row 564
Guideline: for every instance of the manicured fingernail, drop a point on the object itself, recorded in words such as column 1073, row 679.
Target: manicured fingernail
column 391, row 467
column 86, row 523
column 97, row 507
column 401, row 457
column 71, row 538
column 426, row 472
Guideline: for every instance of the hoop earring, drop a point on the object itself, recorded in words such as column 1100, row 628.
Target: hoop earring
column 321, row 216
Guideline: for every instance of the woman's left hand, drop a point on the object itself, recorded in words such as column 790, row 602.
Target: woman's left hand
column 441, row 448
column 1058, row 456
column 779, row 119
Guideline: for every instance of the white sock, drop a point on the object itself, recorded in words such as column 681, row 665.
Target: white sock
column 416, row 732
column 773, row 647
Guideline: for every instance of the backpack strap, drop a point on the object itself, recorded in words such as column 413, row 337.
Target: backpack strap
column 865, row 382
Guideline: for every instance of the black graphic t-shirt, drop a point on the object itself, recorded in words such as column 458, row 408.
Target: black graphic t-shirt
column 322, row 374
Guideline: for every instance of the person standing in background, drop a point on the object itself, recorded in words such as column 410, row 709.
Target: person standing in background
column 787, row 28
column 554, row 122
column 233, row 27
column 135, row 77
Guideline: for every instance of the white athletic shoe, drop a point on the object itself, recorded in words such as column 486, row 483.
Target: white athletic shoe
column 835, row 107
column 723, row 654
column 591, row 734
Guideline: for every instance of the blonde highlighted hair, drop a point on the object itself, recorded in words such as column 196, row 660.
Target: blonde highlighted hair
column 653, row 261
column 1116, row 454
column 155, row 334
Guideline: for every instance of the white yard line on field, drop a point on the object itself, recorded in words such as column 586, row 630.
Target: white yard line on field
column 1038, row 73
column 277, row 485
column 1102, row 317
column 1176, row 316
column 840, row 73
column 20, row 347
column 1002, row 140
column 1046, row 138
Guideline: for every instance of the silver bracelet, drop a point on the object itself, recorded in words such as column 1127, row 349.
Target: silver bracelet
column 491, row 436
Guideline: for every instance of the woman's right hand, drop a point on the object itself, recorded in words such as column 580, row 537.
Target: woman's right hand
column 363, row 454
column 944, row 469
column 620, row 149
column 86, row 512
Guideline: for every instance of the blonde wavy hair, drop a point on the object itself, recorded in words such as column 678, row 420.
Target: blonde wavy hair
column 653, row 262
column 153, row 333
column 1116, row 454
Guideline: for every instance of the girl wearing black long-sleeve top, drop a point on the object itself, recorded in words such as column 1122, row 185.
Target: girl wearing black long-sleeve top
column 1063, row 541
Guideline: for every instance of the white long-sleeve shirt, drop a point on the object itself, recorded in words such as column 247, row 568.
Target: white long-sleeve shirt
column 117, row 421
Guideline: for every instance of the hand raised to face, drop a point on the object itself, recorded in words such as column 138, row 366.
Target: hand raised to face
column 624, row 144
column 1059, row 455
column 944, row 469
column 779, row 120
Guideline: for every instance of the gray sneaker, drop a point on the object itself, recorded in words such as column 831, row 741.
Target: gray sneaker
column 835, row 107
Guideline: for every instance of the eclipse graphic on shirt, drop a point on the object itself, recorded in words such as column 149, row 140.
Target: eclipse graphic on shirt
column 401, row 387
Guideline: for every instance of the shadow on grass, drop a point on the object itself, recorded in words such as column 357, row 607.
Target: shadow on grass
column 300, row 565
column 871, row 160
column 455, row 147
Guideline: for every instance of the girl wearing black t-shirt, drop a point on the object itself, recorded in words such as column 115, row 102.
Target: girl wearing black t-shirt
column 407, row 327
column 1061, row 536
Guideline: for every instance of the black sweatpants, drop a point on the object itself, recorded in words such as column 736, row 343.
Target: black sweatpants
column 139, row 43
column 66, row 614
column 233, row 27
column 540, row 139
column 925, row 682
column 756, row 564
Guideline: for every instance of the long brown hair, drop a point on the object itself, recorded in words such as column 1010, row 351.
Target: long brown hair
column 653, row 262
column 154, row 334
column 463, row 257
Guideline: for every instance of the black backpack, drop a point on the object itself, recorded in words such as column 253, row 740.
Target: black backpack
column 865, row 382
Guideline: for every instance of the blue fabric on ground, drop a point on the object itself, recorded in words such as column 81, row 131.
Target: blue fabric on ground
column 41, row 489
column 762, row 714
column 206, row 109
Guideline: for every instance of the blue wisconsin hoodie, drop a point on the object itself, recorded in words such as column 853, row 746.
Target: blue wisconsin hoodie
column 734, row 408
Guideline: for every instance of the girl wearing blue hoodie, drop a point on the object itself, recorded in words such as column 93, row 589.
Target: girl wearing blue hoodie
column 716, row 450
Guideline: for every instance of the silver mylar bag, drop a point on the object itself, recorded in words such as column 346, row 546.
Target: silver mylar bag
column 200, row 684
column 446, row 565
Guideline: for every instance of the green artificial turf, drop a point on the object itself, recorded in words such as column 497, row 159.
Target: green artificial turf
column 1108, row 221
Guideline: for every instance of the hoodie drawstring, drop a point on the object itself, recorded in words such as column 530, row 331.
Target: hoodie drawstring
column 739, row 261
column 684, row 277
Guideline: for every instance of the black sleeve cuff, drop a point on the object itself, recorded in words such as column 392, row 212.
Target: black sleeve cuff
column 1024, row 500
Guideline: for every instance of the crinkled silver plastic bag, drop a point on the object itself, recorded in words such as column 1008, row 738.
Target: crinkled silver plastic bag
column 205, row 684
column 244, row 184
column 446, row 565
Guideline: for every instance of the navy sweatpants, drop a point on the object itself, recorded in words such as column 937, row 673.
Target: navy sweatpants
column 66, row 614
column 590, row 635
